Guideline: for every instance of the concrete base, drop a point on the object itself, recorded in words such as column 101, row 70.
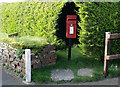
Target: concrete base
column 62, row 74
column 85, row 72
column 28, row 83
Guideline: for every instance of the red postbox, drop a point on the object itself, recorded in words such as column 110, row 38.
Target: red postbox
column 71, row 25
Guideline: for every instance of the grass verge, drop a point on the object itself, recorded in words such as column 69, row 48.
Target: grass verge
column 77, row 61
column 34, row 43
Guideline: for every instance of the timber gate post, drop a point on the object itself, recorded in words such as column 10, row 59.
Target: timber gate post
column 107, row 55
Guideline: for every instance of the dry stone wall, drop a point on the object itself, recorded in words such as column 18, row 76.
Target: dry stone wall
column 13, row 63
column 46, row 57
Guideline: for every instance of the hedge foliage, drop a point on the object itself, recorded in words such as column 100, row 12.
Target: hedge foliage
column 61, row 27
column 47, row 19
column 96, row 19
column 31, row 18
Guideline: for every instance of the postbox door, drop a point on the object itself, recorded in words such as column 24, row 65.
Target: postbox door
column 71, row 29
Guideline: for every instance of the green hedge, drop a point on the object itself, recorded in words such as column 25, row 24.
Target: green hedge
column 96, row 19
column 31, row 18
column 44, row 18
column 61, row 27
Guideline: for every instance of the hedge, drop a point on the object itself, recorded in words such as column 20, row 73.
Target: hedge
column 68, row 9
column 47, row 19
column 96, row 19
column 42, row 19
column 31, row 18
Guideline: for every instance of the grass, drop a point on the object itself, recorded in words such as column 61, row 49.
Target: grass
column 34, row 43
column 77, row 61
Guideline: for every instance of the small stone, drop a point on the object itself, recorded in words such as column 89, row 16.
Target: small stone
column 62, row 74
column 85, row 72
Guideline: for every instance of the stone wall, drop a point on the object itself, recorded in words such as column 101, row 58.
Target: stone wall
column 10, row 60
column 46, row 57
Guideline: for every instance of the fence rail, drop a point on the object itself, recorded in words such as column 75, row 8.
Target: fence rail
column 113, row 56
column 113, row 36
column 107, row 51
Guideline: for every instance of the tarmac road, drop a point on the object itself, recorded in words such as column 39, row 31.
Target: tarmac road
column 112, row 81
column 8, row 79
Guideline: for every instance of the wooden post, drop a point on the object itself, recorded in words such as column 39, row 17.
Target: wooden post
column 14, row 34
column 69, row 50
column 107, row 52
column 28, row 65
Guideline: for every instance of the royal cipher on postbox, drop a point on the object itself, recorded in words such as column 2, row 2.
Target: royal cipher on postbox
column 71, row 25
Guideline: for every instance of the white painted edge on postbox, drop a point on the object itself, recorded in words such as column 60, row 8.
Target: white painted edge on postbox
column 28, row 65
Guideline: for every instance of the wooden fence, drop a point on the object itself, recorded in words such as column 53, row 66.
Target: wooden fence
column 107, row 56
